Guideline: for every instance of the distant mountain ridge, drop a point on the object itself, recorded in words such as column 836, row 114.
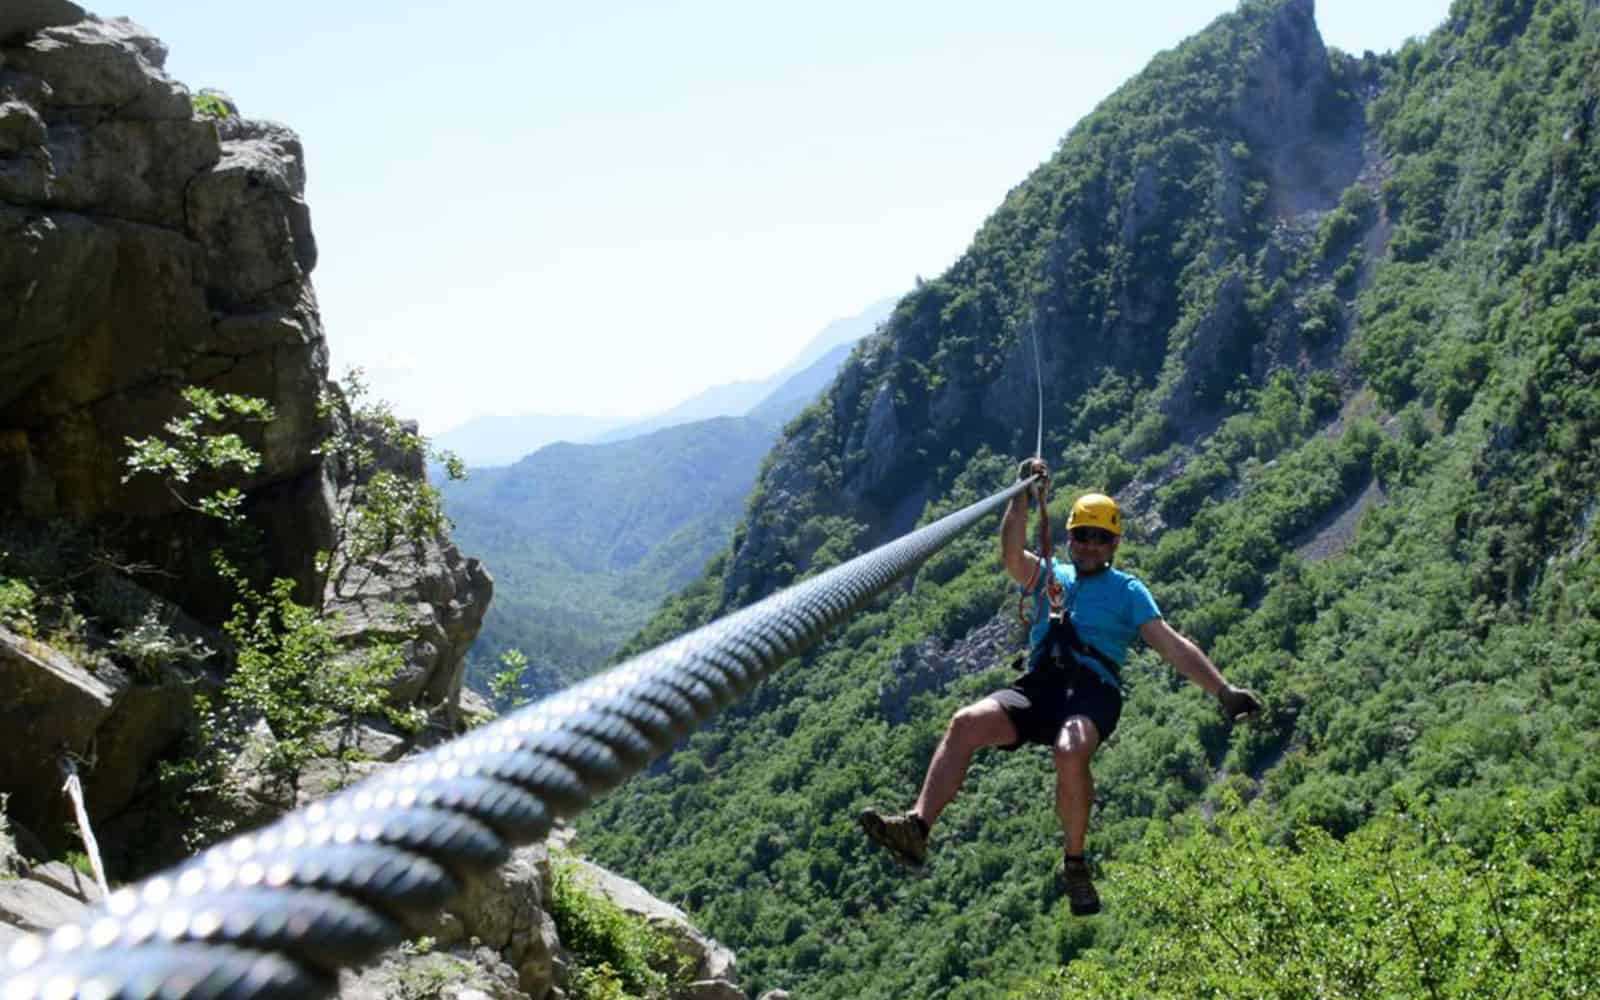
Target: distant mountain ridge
column 742, row 398
column 800, row 389
column 501, row 440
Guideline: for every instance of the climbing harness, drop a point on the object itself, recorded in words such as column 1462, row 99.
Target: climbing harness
column 1061, row 639
column 1064, row 650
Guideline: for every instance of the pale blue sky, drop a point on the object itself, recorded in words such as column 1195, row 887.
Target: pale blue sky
column 604, row 208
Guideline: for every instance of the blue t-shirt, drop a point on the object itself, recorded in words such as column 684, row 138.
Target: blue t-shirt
column 1107, row 609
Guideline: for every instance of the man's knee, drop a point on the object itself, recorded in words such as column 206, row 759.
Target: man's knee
column 980, row 724
column 1076, row 744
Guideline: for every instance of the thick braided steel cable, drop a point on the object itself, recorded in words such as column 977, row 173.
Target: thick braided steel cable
column 276, row 913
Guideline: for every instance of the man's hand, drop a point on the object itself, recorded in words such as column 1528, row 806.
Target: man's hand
column 1031, row 467
column 1238, row 703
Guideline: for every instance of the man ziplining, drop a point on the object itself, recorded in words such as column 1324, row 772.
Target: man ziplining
column 1086, row 614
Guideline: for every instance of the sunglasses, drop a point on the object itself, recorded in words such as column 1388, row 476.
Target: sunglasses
column 1097, row 536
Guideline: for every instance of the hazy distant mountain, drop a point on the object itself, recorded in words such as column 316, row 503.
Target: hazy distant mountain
column 502, row 440
column 802, row 388
column 839, row 332
column 739, row 398
column 732, row 399
column 585, row 539
column 491, row 441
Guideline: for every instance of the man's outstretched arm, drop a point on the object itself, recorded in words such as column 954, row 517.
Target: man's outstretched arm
column 1190, row 661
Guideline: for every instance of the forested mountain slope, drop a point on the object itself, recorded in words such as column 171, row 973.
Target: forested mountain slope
column 1330, row 328
column 587, row 539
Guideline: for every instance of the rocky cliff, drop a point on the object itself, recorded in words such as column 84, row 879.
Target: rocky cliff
column 151, row 241
column 144, row 248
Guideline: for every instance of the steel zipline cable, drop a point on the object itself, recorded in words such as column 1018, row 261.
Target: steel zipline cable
column 276, row 913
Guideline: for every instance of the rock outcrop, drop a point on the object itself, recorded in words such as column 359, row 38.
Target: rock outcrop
column 495, row 940
column 713, row 966
column 147, row 246
column 42, row 897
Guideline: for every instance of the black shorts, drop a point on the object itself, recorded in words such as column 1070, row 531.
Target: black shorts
column 1040, row 702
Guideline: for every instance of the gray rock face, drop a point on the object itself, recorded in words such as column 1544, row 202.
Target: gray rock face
column 28, row 905
column 505, row 911
column 68, row 880
column 141, row 251
column 46, row 693
column 145, row 248
column 41, row 898
column 929, row 666
column 51, row 706
column 19, row 17
column 1309, row 159
column 1186, row 403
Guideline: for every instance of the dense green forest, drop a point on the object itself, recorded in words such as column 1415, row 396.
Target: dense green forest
column 585, row 540
column 1330, row 328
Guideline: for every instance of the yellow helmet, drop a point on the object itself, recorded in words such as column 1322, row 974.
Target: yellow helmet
column 1096, row 510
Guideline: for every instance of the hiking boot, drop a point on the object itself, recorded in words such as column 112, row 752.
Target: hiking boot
column 904, row 836
column 1080, row 888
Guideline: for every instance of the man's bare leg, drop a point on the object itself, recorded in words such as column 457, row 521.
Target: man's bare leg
column 905, row 835
column 1074, row 783
column 981, row 724
column 1074, row 748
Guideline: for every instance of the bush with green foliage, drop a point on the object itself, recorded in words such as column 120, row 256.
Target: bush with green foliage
column 195, row 449
column 387, row 506
column 506, row 686
column 150, row 644
column 289, row 669
column 417, row 972
column 210, row 106
column 1398, row 908
column 617, row 955
column 17, row 601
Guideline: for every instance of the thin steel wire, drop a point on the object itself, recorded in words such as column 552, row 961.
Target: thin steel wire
column 276, row 912
column 1038, row 383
